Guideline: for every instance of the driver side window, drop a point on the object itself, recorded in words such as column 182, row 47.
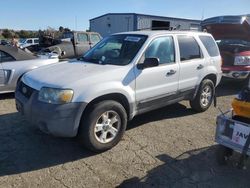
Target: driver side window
column 163, row 49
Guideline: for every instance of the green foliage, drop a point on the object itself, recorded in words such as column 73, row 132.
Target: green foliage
column 7, row 33
column 27, row 34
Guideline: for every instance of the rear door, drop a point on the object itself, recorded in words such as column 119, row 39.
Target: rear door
column 81, row 43
column 192, row 63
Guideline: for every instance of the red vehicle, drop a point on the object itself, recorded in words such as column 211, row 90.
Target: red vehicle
column 232, row 34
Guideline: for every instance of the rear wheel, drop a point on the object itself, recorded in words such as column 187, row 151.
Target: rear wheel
column 204, row 97
column 103, row 126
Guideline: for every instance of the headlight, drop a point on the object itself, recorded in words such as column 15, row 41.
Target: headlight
column 242, row 60
column 55, row 96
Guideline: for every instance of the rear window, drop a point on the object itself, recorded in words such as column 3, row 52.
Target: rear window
column 210, row 45
column 82, row 37
column 94, row 38
column 189, row 48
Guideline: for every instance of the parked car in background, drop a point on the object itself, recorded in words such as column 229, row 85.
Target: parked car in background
column 4, row 42
column 24, row 43
column 15, row 62
column 74, row 44
column 122, row 76
column 233, row 38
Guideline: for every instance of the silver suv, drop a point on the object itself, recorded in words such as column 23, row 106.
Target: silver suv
column 124, row 75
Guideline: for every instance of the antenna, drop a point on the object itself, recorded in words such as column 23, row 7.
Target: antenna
column 76, row 23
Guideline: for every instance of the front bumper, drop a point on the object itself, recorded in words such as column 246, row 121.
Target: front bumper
column 59, row 120
column 236, row 72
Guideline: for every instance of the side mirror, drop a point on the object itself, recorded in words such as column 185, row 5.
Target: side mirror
column 149, row 62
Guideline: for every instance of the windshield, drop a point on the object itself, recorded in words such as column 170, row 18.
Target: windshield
column 116, row 49
column 233, row 42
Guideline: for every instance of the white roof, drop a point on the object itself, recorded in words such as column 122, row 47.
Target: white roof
column 161, row 32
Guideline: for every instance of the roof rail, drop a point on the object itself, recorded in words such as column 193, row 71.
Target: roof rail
column 166, row 29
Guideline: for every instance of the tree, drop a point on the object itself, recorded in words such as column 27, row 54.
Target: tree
column 67, row 29
column 61, row 29
column 24, row 34
column 7, row 33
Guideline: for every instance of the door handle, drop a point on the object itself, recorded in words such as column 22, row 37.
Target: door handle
column 171, row 72
column 200, row 67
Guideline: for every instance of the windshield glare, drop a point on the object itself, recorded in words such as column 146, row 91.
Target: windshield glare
column 116, row 49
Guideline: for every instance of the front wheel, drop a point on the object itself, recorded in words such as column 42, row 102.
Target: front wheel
column 204, row 97
column 103, row 126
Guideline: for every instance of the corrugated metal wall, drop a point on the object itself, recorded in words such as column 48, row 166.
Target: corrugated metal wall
column 114, row 23
column 110, row 24
column 145, row 22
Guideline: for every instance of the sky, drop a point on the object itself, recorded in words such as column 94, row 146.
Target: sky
column 75, row 14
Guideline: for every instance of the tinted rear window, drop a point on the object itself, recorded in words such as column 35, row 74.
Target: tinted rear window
column 210, row 45
column 189, row 48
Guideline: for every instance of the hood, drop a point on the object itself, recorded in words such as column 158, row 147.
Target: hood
column 228, row 27
column 70, row 75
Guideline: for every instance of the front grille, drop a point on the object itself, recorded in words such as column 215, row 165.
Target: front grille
column 25, row 90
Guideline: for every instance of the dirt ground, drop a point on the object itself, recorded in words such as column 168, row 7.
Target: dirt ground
column 169, row 147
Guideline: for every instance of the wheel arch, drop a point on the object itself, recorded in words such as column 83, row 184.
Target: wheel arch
column 211, row 77
column 118, row 97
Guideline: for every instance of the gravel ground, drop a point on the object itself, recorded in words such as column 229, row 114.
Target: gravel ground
column 170, row 147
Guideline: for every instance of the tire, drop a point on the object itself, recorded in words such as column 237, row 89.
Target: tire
column 222, row 154
column 204, row 97
column 97, row 132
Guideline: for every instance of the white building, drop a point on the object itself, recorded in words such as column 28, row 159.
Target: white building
column 121, row 22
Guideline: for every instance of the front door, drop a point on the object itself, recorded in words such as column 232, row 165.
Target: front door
column 156, row 85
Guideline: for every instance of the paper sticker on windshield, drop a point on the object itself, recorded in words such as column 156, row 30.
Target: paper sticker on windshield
column 132, row 39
